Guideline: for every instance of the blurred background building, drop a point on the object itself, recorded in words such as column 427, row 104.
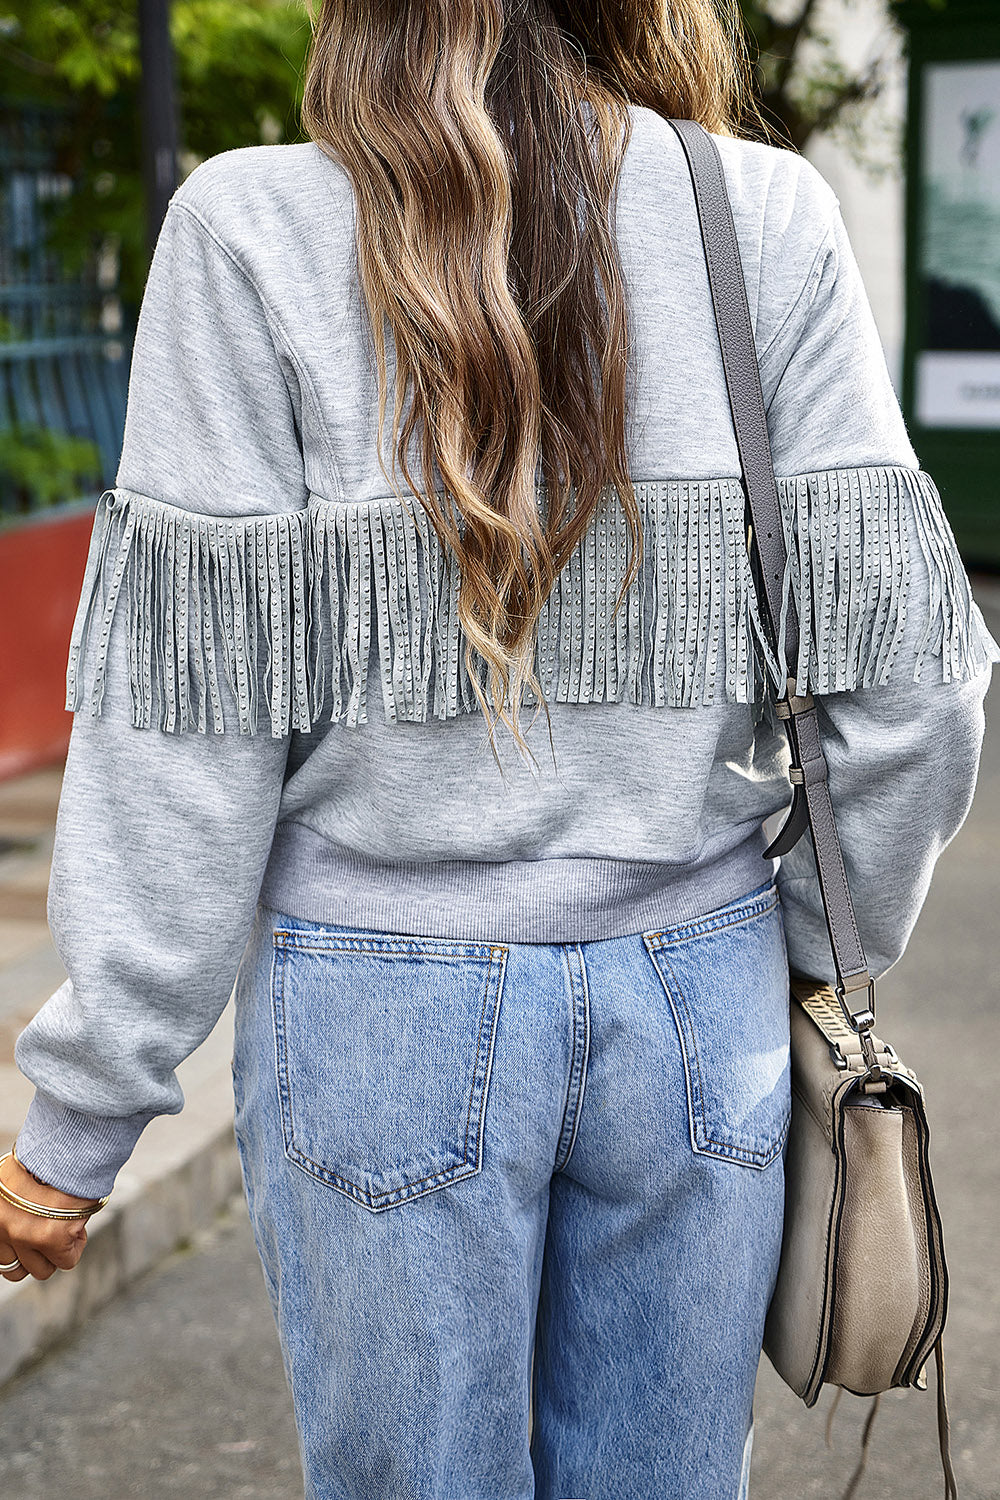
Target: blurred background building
column 917, row 167
column 896, row 101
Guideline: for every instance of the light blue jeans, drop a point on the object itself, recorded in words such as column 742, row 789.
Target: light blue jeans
column 518, row 1206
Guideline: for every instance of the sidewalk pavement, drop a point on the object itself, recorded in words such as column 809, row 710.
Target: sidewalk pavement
column 185, row 1167
column 938, row 1005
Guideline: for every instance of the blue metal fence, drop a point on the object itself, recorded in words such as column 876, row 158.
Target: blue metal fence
column 64, row 347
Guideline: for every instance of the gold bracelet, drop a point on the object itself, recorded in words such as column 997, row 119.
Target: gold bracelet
column 39, row 1209
column 87, row 1211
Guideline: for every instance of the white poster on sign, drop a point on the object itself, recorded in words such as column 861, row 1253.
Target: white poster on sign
column 958, row 390
column 958, row 370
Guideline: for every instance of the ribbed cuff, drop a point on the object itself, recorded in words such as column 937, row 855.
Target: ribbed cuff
column 76, row 1152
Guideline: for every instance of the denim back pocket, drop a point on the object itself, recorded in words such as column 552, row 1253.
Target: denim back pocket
column 384, row 1045
column 725, row 977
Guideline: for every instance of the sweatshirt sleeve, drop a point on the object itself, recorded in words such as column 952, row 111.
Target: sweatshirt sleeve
column 895, row 649
column 185, row 687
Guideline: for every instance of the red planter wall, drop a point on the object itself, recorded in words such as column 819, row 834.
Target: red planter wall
column 41, row 572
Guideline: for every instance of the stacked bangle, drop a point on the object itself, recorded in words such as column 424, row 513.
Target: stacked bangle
column 39, row 1208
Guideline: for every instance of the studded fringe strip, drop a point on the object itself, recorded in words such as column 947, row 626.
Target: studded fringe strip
column 276, row 618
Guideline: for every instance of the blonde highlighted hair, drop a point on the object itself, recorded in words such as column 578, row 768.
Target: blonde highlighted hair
column 485, row 204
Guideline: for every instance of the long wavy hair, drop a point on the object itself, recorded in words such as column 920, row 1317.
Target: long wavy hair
column 485, row 204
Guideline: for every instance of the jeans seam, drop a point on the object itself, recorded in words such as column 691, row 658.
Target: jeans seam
column 572, row 1061
column 585, row 1059
column 579, row 1056
column 479, row 1046
column 438, row 948
column 685, row 932
column 280, row 1048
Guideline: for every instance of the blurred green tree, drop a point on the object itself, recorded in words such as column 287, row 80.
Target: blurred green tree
column 239, row 68
column 802, row 80
column 41, row 467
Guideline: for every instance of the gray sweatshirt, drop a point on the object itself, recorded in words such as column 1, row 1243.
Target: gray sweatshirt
column 266, row 668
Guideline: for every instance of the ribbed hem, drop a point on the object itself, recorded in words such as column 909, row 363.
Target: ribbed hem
column 516, row 901
column 75, row 1152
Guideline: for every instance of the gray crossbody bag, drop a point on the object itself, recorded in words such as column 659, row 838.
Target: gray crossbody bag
column 861, row 1294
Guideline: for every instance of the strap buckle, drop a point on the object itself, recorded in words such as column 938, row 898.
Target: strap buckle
column 861, row 1020
column 875, row 1078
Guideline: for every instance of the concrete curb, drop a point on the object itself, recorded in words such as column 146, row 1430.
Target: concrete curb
column 184, row 1170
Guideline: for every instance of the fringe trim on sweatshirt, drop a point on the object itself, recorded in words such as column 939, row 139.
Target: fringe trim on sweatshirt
column 849, row 566
column 284, row 611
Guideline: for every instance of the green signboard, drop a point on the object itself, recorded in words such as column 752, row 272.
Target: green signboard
column 951, row 358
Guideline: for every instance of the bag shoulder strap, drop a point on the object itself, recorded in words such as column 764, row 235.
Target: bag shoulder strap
column 811, row 803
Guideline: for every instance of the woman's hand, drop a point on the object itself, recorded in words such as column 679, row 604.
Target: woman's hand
column 41, row 1245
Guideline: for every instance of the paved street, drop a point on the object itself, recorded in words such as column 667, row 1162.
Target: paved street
column 176, row 1387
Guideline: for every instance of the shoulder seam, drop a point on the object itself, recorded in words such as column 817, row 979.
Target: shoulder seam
column 203, row 224
column 807, row 289
column 275, row 323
